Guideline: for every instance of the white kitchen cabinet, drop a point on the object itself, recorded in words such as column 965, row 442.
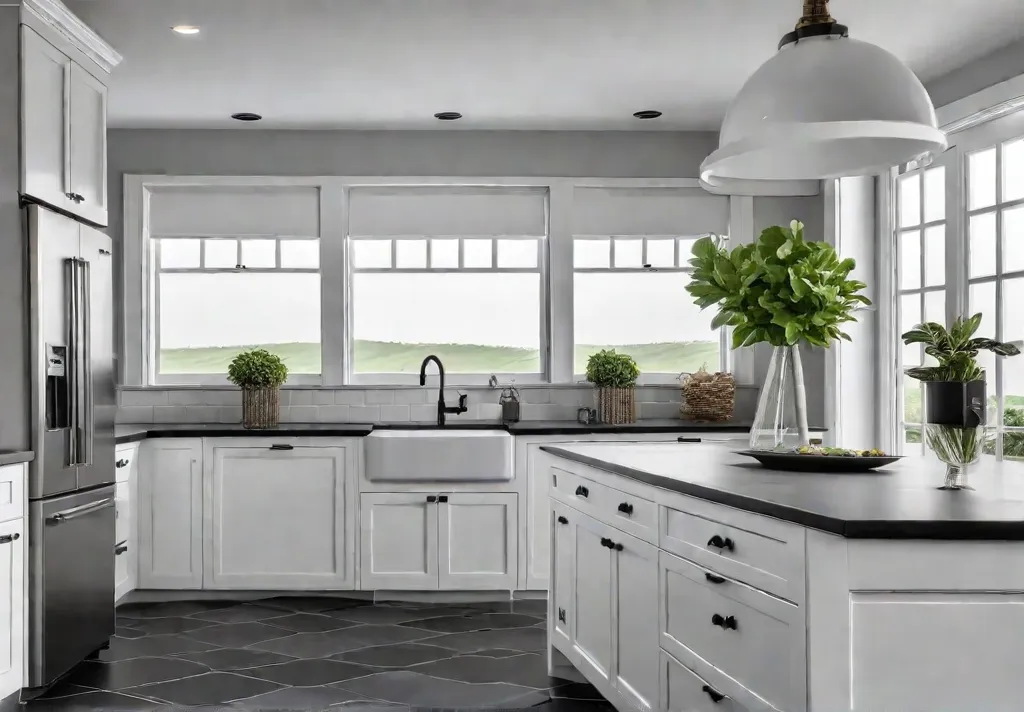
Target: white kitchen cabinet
column 560, row 604
column 593, row 598
column 170, row 497
column 278, row 516
column 398, row 541
column 12, row 606
column 478, row 541
column 635, row 627
column 126, row 536
column 63, row 130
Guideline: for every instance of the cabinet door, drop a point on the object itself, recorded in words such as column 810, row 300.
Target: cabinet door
column 593, row 598
column 171, row 514
column 277, row 519
column 45, row 80
column 478, row 541
column 12, row 601
column 87, row 118
column 635, row 622
column 398, row 541
column 560, row 595
column 538, row 554
column 123, row 544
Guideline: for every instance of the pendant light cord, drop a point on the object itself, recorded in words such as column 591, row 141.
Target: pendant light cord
column 815, row 13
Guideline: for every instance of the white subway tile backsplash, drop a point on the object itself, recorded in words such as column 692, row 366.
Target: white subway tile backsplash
column 426, row 413
column 350, row 396
column 572, row 396
column 381, row 397
column 135, row 414
column 487, row 411
column 534, row 411
column 169, row 414
column 535, row 395
column 189, row 396
column 143, row 398
column 303, row 414
column 364, row 413
column 202, row 414
column 411, row 396
column 394, row 413
column 299, row 397
column 322, row 398
column 333, row 413
column 230, row 414
column 223, row 398
column 659, row 410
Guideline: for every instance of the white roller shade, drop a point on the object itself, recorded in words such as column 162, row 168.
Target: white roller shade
column 236, row 210
column 447, row 211
column 649, row 211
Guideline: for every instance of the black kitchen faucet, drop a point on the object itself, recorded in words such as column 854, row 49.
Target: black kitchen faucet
column 442, row 409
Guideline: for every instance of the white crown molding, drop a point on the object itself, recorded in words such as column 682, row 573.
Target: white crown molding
column 989, row 104
column 56, row 16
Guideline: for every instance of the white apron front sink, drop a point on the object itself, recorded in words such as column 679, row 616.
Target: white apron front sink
column 439, row 456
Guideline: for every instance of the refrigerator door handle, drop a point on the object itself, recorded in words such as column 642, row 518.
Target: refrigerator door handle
column 85, row 352
column 75, row 512
column 71, row 292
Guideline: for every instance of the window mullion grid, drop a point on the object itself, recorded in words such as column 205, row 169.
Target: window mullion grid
column 999, row 300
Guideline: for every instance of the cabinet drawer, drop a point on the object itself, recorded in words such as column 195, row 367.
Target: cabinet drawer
column 122, row 512
column 632, row 514
column 763, row 552
column 755, row 639
column 12, row 492
column 682, row 690
column 124, row 461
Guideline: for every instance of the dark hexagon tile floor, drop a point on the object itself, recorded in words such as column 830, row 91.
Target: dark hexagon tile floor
column 310, row 653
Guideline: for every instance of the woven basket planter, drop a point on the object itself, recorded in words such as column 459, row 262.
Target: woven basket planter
column 616, row 405
column 709, row 396
column 260, row 407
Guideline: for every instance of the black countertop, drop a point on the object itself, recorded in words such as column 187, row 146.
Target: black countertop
column 13, row 457
column 133, row 433
column 898, row 502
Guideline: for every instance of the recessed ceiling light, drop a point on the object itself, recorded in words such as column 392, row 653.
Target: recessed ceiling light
column 246, row 116
column 647, row 114
column 448, row 116
column 186, row 29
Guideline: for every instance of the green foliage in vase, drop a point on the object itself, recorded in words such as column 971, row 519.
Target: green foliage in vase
column 955, row 350
column 608, row 369
column 781, row 289
column 257, row 368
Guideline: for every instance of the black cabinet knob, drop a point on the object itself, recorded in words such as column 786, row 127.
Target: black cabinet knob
column 714, row 694
column 563, row 520
column 618, row 547
column 606, row 542
column 442, row 498
column 118, row 550
column 582, row 491
column 724, row 622
column 431, row 498
column 626, row 509
column 121, row 463
column 8, row 538
column 720, row 543
column 561, row 615
column 712, row 578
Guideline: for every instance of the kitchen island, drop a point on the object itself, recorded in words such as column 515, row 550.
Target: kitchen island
column 686, row 577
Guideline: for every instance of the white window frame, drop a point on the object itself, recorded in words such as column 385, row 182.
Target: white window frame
column 970, row 136
column 557, row 343
column 680, row 267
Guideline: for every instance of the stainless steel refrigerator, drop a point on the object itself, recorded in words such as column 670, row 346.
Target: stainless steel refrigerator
column 71, row 480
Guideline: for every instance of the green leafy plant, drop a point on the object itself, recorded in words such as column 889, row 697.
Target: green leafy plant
column 257, row 368
column 781, row 289
column 608, row 369
column 955, row 350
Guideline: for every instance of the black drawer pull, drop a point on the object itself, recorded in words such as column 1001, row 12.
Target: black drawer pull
column 8, row 538
column 626, row 509
column 121, row 463
column 442, row 498
column 561, row 615
column 431, row 498
column 120, row 549
column 281, row 446
column 714, row 694
column 582, row 491
column 724, row 622
column 712, row 578
column 720, row 543
column 563, row 520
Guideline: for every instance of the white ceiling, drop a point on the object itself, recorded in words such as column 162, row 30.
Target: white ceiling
column 505, row 64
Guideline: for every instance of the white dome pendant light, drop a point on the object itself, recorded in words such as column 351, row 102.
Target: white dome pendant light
column 825, row 106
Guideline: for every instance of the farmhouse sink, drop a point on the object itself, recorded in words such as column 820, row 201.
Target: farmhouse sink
column 439, row 455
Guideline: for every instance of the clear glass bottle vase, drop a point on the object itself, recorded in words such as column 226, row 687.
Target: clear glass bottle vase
column 781, row 418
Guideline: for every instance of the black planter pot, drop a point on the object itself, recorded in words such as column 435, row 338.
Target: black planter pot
column 955, row 403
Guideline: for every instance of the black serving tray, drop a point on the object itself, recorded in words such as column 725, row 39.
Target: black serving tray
column 795, row 462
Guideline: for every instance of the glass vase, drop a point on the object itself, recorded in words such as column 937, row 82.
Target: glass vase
column 958, row 448
column 781, row 419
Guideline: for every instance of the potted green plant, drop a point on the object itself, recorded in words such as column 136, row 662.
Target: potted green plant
column 259, row 374
column 785, row 291
column 954, row 392
column 614, row 375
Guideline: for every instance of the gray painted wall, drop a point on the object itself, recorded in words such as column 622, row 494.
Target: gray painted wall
column 14, row 373
column 998, row 66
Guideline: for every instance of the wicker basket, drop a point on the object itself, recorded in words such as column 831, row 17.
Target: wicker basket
column 616, row 405
column 708, row 396
column 260, row 407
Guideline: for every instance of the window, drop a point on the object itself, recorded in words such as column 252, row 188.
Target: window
column 475, row 302
column 959, row 247
column 215, row 296
column 630, row 295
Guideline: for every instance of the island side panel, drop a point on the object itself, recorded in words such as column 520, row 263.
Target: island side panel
column 828, row 623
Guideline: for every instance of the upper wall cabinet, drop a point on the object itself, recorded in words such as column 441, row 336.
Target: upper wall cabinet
column 63, row 130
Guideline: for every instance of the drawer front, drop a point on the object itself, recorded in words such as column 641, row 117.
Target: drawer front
column 682, row 690
column 12, row 492
column 633, row 515
column 122, row 512
column 763, row 552
column 124, row 462
column 755, row 639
